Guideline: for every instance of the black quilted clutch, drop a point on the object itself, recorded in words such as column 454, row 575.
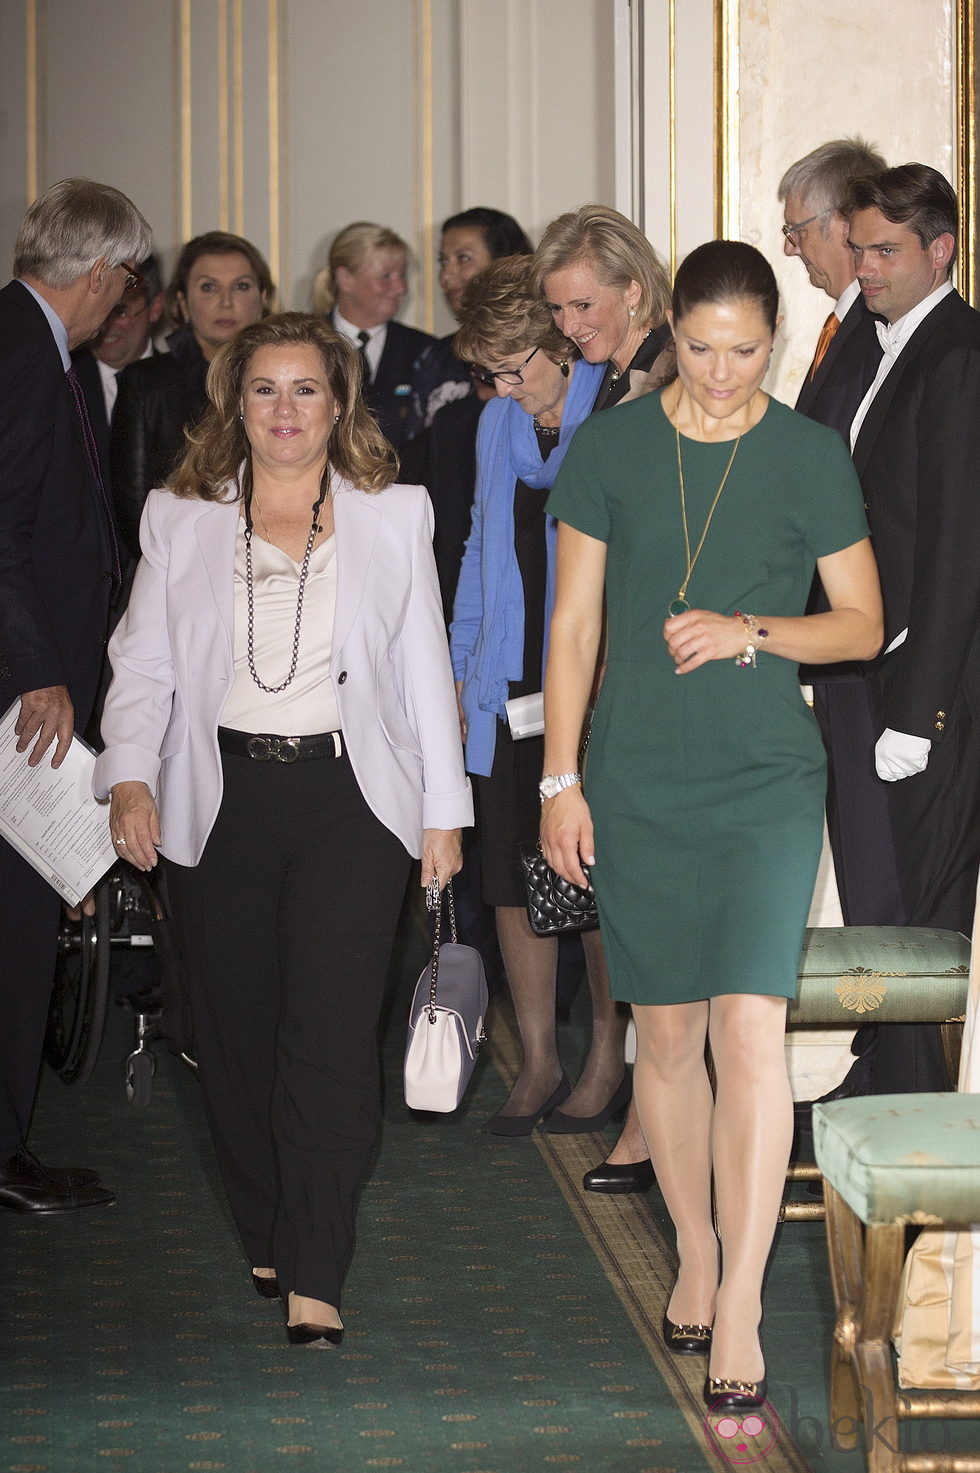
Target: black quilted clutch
column 553, row 904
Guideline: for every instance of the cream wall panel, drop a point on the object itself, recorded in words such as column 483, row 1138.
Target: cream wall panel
column 809, row 74
column 675, row 44
column 537, row 105
column 358, row 91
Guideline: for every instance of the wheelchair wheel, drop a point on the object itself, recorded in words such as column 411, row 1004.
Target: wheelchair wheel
column 140, row 1069
column 78, row 1004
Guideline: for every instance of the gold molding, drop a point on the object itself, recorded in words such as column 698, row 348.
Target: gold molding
column 238, row 114
column 426, row 222
column 275, row 197
column 223, row 140
column 32, row 89
column 672, row 130
column 186, row 118
column 966, row 150
column 726, row 79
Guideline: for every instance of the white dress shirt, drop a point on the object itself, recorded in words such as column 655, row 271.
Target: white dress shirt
column 110, row 380
column 893, row 337
column 375, row 345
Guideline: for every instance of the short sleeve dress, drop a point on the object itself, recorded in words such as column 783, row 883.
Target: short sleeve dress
column 706, row 789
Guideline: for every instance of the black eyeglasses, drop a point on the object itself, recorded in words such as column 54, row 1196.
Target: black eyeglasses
column 133, row 278
column 510, row 376
column 790, row 230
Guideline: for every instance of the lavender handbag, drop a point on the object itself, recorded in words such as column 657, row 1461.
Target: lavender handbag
column 445, row 1021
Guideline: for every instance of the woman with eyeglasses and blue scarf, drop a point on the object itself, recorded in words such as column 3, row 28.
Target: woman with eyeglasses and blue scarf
column 499, row 639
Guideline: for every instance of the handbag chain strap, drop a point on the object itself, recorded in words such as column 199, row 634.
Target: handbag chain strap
column 433, row 903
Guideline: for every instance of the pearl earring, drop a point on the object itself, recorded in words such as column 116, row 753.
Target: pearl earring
column 632, row 311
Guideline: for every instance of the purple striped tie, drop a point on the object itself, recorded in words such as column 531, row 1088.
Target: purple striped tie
column 93, row 460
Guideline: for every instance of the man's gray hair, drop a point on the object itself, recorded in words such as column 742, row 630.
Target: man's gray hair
column 71, row 225
column 824, row 176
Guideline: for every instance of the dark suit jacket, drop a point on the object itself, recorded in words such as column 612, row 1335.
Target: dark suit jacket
column 918, row 456
column 846, row 373
column 55, row 553
column 157, row 398
column 87, row 368
column 389, row 395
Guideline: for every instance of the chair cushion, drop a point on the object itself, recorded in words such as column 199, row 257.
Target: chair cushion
column 896, row 1157
column 882, row 974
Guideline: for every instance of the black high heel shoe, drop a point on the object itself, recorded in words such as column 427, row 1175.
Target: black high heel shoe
column 268, row 1288
column 523, row 1124
column 721, row 1394
column 558, row 1123
column 616, row 1180
column 318, row 1337
column 686, row 1339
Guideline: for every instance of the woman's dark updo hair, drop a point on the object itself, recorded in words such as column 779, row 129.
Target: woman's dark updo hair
column 501, row 232
column 725, row 271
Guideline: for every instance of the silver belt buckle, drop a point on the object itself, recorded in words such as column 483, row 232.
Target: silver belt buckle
column 273, row 749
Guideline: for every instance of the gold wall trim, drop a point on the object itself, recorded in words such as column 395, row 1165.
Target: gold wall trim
column 966, row 150
column 223, row 121
column 727, row 192
column 672, row 129
column 426, row 224
column 238, row 114
column 31, row 90
column 186, row 119
column 275, row 198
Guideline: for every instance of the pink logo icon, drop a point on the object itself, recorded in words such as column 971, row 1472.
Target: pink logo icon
column 742, row 1438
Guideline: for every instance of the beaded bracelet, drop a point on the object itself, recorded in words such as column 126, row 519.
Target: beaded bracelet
column 756, row 634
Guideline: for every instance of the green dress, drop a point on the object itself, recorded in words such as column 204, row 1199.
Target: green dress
column 706, row 789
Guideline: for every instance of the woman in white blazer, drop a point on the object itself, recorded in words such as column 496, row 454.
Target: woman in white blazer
column 282, row 728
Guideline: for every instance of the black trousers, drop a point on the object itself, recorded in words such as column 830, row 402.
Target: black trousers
column 858, row 814
column 29, row 910
column 286, row 927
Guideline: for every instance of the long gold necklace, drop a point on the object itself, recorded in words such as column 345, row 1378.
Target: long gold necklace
column 680, row 605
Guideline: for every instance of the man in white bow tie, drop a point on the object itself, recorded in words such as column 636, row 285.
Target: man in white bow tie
column 916, row 445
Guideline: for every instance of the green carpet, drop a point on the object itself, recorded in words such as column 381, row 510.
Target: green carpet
column 482, row 1334
column 498, row 1318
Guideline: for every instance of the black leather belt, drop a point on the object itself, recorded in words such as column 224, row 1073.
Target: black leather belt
column 263, row 747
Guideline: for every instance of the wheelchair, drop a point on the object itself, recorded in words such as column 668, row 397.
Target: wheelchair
column 131, row 928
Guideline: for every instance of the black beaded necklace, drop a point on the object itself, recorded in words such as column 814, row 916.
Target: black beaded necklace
column 315, row 528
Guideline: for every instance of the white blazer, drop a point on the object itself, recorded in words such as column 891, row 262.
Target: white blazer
column 172, row 661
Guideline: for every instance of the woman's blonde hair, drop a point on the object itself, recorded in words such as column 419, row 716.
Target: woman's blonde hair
column 351, row 249
column 616, row 250
column 217, row 446
column 502, row 313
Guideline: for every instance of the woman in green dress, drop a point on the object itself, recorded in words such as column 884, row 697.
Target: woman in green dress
column 702, row 510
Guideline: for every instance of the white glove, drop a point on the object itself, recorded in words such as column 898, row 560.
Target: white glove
column 898, row 755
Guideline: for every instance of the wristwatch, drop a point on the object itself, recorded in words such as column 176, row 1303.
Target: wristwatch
column 552, row 784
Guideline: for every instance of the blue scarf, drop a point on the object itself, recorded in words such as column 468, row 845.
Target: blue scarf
column 489, row 657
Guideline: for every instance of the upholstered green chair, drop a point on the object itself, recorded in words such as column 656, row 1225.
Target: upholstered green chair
column 850, row 975
column 887, row 1161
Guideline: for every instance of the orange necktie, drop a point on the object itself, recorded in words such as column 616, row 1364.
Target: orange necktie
column 823, row 342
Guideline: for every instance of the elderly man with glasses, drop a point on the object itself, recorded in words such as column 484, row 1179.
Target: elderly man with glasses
column 846, row 359
column 59, row 564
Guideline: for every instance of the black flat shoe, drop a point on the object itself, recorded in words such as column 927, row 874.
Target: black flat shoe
column 721, row 1394
column 317, row 1337
column 558, row 1123
column 524, row 1124
column 686, row 1339
column 633, row 1176
column 268, row 1288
